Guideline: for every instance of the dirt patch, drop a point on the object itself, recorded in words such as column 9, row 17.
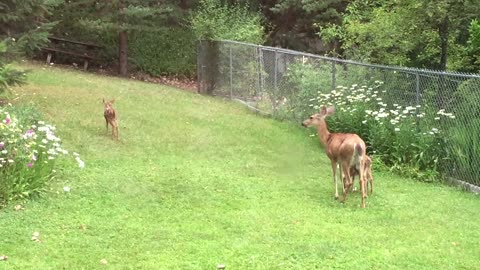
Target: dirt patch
column 178, row 82
column 3, row 102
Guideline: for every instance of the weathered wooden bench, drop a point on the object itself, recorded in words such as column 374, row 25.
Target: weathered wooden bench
column 59, row 47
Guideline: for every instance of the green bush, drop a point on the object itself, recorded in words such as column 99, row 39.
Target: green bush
column 28, row 151
column 465, row 132
column 164, row 51
column 214, row 20
column 305, row 80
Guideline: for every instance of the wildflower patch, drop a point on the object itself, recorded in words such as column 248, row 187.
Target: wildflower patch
column 28, row 152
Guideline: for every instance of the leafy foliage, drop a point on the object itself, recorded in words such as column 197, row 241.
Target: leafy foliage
column 214, row 20
column 164, row 51
column 376, row 31
column 293, row 22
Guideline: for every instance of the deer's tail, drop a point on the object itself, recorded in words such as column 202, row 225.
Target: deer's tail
column 357, row 156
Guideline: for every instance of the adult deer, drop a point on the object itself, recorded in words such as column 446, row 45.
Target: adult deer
column 345, row 149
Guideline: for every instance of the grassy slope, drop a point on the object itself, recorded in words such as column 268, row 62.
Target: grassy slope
column 196, row 181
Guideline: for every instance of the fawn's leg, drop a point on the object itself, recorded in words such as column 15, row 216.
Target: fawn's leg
column 116, row 129
column 370, row 180
column 106, row 124
column 346, row 181
column 363, row 185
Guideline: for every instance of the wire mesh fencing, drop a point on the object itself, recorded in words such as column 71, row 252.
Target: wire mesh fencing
column 426, row 118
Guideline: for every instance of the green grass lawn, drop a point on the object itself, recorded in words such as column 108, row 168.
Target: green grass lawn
column 196, row 181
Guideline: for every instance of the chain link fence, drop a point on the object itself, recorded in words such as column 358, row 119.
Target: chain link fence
column 291, row 85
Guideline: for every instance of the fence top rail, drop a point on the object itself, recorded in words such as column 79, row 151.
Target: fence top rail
column 338, row 60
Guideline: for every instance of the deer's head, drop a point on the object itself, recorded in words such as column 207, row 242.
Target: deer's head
column 107, row 105
column 316, row 119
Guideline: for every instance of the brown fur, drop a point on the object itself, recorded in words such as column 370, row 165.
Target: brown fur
column 345, row 149
column 110, row 115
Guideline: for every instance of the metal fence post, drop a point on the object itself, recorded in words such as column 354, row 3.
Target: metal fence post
column 260, row 64
column 231, row 72
column 199, row 66
column 417, row 99
column 275, row 78
column 334, row 77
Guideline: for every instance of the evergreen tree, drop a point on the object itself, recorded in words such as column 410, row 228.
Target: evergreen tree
column 121, row 16
column 23, row 29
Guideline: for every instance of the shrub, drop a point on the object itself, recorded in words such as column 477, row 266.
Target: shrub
column 164, row 51
column 213, row 20
column 304, row 80
column 28, row 151
column 465, row 132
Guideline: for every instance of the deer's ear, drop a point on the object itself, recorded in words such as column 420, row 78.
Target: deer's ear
column 330, row 110
column 323, row 110
column 112, row 101
column 103, row 100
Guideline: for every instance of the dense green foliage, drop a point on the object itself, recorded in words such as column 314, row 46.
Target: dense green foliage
column 292, row 23
column 214, row 20
column 435, row 36
column 164, row 51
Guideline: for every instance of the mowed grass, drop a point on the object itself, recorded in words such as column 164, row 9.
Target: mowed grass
column 196, row 181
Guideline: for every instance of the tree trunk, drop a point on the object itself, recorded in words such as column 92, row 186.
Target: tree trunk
column 443, row 33
column 183, row 4
column 122, row 52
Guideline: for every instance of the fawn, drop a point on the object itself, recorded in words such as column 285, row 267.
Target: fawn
column 367, row 171
column 110, row 115
column 347, row 150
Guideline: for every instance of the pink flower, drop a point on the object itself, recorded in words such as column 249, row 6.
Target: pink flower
column 7, row 120
column 30, row 164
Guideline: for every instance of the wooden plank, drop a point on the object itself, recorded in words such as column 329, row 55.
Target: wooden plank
column 84, row 55
column 74, row 42
column 49, row 57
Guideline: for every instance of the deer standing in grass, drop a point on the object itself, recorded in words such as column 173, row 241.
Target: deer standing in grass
column 110, row 115
column 347, row 150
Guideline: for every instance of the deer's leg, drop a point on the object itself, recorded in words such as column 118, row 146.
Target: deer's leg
column 334, row 170
column 106, row 123
column 113, row 130
column 116, row 130
column 346, row 172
